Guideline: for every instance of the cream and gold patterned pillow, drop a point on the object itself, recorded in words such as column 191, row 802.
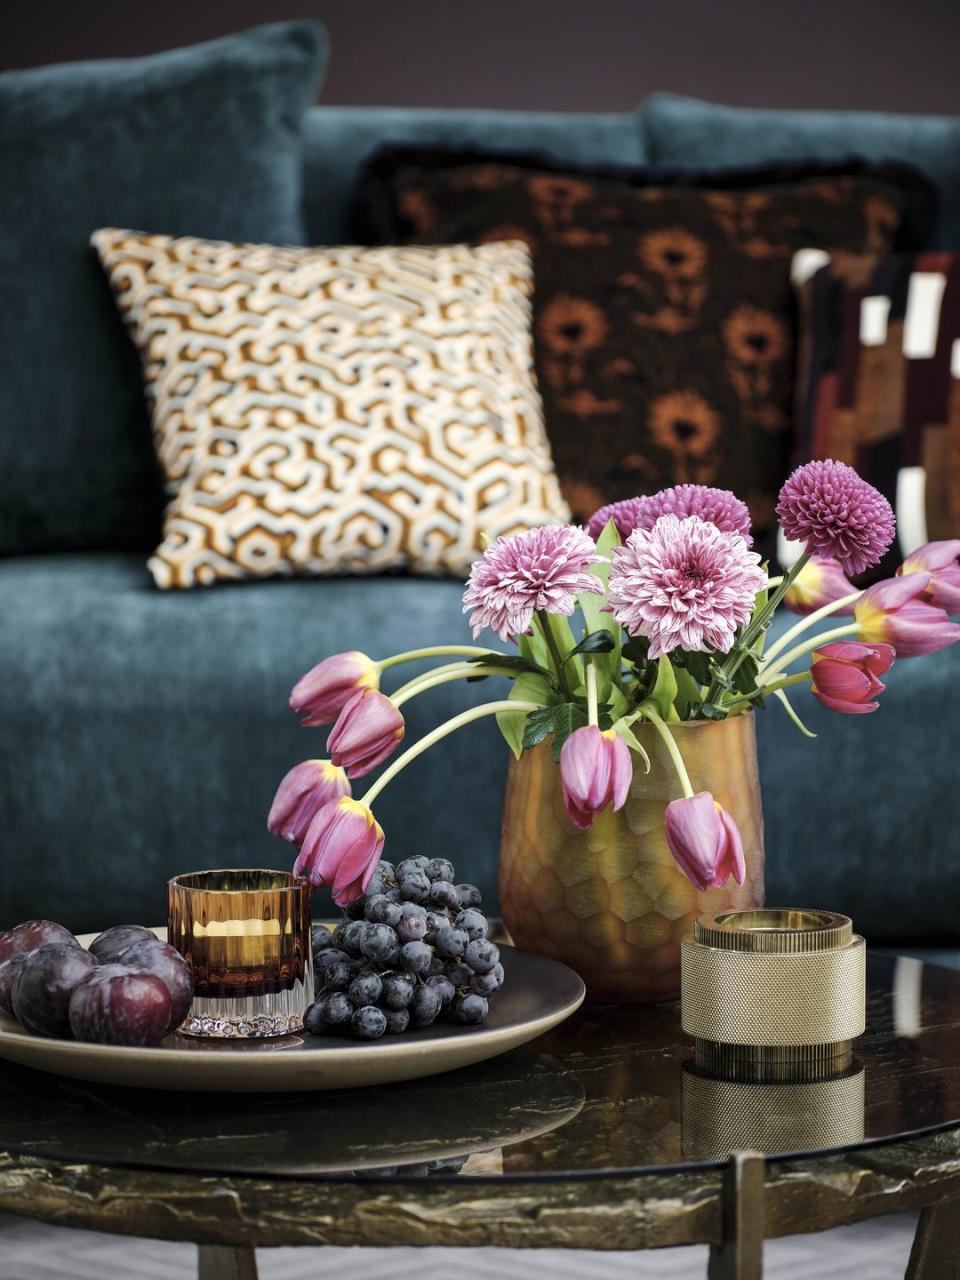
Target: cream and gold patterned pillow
column 338, row 410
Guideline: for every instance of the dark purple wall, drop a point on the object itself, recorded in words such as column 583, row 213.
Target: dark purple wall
column 559, row 54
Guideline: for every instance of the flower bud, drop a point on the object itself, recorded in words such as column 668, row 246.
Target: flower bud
column 320, row 695
column 596, row 770
column 342, row 848
column 302, row 793
column 368, row 730
column 940, row 561
column 897, row 611
column 819, row 582
column 845, row 675
column 704, row 840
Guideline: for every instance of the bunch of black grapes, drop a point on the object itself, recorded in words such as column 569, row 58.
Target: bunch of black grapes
column 412, row 950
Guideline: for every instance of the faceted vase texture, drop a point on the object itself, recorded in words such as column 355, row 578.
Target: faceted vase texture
column 610, row 901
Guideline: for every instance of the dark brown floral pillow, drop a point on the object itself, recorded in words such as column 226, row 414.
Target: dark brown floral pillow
column 663, row 310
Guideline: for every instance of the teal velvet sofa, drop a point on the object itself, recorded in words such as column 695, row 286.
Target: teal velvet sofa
column 143, row 733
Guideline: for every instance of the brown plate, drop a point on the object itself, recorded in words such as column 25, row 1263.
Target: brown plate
column 537, row 994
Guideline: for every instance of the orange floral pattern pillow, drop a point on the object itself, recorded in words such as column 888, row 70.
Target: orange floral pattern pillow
column 663, row 311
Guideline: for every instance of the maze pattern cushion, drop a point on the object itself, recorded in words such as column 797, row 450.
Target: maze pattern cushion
column 878, row 382
column 663, row 311
column 324, row 411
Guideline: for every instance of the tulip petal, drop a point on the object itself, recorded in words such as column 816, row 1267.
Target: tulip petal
column 848, row 708
column 734, row 863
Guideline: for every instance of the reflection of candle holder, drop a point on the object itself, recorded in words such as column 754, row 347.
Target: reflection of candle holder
column 722, row 1115
column 246, row 937
column 766, row 992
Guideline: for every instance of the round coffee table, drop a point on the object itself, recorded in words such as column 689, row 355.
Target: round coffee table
column 600, row 1135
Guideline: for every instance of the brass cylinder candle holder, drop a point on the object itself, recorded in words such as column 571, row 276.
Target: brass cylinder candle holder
column 773, row 994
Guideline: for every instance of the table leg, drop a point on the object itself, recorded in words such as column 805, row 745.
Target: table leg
column 740, row 1257
column 217, row 1263
column 936, row 1246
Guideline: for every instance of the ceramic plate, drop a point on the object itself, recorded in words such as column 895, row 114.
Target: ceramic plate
column 537, row 994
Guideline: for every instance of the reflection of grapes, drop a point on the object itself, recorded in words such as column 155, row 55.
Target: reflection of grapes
column 412, row 950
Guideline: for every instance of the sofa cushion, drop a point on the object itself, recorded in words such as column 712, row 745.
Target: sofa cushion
column 686, row 131
column 342, row 410
column 339, row 140
column 145, row 733
column 203, row 141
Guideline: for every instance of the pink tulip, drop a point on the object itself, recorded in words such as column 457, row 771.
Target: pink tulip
column 940, row 561
column 819, row 582
column 596, row 770
column 845, row 675
column 704, row 840
column 342, row 848
column 898, row 612
column 368, row 729
column 320, row 695
column 300, row 796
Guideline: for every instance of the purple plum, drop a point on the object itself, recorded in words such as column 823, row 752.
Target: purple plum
column 45, row 983
column 167, row 964
column 32, row 934
column 108, row 945
column 9, row 971
column 120, row 1005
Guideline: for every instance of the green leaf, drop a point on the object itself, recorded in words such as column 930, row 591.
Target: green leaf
column 699, row 666
column 636, row 649
column 560, row 721
column 529, row 687
column 745, row 677
column 710, row 711
column 511, row 661
column 592, row 608
column 594, row 642
column 534, row 649
column 624, row 731
column 664, row 690
column 807, row 733
column 688, row 693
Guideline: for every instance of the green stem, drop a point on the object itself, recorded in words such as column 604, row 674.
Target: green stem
column 436, row 651
column 670, row 743
column 774, row 582
column 806, row 646
column 436, row 735
column 592, row 715
column 746, row 698
column 754, row 629
column 444, row 675
column 555, row 654
column 810, row 620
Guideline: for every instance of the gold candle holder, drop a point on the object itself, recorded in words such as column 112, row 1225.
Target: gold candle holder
column 246, row 935
column 769, row 992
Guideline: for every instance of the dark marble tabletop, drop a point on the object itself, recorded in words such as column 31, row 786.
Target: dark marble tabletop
column 610, row 1091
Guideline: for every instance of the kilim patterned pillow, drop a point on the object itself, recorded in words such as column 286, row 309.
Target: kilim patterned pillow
column 324, row 411
column 878, row 383
column 663, row 310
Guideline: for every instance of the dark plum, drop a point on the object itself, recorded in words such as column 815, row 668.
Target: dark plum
column 32, row 934
column 9, row 971
column 42, row 991
column 120, row 1005
column 167, row 964
column 107, row 946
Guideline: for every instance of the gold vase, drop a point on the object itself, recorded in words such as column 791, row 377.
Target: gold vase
column 610, row 901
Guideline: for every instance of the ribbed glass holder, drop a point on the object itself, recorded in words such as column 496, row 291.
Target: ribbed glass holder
column 245, row 934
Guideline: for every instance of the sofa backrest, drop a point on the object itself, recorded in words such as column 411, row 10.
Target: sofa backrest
column 339, row 139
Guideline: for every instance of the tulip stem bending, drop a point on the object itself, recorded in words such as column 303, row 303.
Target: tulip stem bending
column 437, row 651
column 592, row 709
column 558, row 659
column 436, row 735
column 443, row 675
column 810, row 620
column 670, row 743
column 763, row 690
column 771, row 669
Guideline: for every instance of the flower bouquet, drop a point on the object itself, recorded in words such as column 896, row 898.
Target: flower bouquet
column 638, row 654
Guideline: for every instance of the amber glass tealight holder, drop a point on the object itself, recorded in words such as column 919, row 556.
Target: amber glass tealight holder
column 245, row 934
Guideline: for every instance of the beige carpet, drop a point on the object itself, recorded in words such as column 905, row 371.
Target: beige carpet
column 875, row 1250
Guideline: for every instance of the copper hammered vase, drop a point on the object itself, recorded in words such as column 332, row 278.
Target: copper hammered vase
column 611, row 902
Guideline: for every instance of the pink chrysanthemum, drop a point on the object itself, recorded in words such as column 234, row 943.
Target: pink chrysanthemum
column 685, row 584
column 539, row 569
column 835, row 513
column 719, row 507
column 625, row 516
